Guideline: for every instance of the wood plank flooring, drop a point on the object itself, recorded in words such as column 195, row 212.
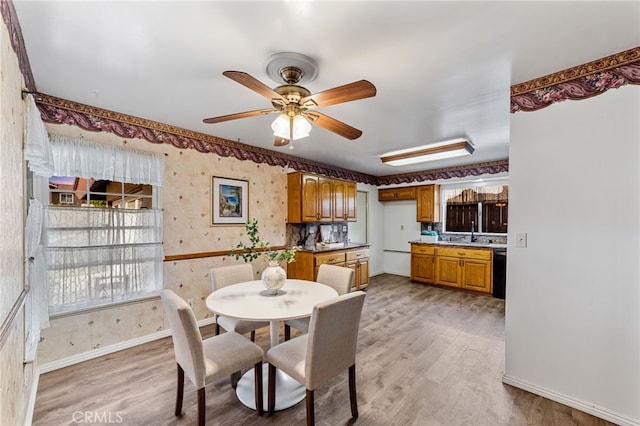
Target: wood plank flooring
column 426, row 356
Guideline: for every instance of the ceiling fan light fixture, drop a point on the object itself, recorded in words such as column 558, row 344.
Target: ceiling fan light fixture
column 301, row 127
column 436, row 151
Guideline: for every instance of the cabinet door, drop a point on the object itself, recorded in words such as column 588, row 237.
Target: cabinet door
column 339, row 195
column 476, row 275
column 428, row 203
column 310, row 195
column 423, row 268
column 325, row 199
column 363, row 274
column 350, row 196
column 448, row 271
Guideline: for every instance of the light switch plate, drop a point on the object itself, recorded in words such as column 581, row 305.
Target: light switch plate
column 521, row 239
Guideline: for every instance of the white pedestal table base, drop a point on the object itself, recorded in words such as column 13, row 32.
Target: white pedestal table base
column 288, row 391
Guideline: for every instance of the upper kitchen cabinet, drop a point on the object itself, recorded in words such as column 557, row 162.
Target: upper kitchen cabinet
column 397, row 194
column 314, row 198
column 428, row 203
column 344, row 200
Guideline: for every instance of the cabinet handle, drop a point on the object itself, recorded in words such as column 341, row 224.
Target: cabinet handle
column 461, row 254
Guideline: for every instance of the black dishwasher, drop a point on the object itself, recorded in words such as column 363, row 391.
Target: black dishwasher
column 499, row 272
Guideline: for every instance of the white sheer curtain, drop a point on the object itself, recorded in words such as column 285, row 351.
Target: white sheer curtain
column 37, row 149
column 99, row 255
column 39, row 158
column 36, row 277
column 79, row 158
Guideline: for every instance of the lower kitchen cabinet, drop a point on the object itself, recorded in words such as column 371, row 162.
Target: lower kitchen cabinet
column 358, row 260
column 466, row 268
column 423, row 263
column 307, row 264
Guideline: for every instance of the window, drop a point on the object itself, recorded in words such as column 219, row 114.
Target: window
column 66, row 198
column 101, row 225
column 481, row 207
column 105, row 247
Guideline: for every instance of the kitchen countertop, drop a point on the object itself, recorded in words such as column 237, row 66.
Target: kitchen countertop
column 462, row 244
column 312, row 249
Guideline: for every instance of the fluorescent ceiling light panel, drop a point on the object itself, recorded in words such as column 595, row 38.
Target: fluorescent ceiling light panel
column 435, row 151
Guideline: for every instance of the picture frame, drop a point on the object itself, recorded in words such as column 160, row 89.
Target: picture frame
column 229, row 201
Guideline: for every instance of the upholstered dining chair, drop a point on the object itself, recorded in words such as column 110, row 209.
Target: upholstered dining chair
column 208, row 360
column 226, row 275
column 339, row 278
column 327, row 350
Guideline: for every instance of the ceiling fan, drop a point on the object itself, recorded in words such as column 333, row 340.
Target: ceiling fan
column 296, row 105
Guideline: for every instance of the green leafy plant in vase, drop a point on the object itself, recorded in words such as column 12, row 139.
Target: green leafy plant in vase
column 273, row 276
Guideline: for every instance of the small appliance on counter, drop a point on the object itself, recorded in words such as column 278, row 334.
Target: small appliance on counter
column 429, row 236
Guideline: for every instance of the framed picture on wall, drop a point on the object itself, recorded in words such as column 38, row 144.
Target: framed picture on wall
column 229, row 201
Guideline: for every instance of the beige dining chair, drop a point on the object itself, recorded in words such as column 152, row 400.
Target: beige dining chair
column 227, row 275
column 339, row 278
column 327, row 350
column 208, row 360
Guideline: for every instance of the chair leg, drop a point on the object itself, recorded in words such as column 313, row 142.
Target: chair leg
column 235, row 378
column 287, row 332
column 311, row 418
column 352, row 391
column 253, row 335
column 180, row 391
column 271, row 391
column 201, row 406
column 257, row 384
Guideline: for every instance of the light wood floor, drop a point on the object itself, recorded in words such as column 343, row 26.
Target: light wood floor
column 426, row 356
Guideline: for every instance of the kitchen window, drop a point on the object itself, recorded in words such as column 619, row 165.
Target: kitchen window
column 483, row 207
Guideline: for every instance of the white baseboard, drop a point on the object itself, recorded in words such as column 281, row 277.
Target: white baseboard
column 571, row 402
column 95, row 353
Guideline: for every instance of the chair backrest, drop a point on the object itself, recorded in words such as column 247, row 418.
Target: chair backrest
column 187, row 340
column 333, row 338
column 338, row 277
column 226, row 275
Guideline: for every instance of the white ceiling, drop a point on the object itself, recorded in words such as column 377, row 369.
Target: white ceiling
column 441, row 69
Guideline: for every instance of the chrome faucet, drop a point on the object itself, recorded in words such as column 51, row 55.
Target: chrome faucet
column 473, row 237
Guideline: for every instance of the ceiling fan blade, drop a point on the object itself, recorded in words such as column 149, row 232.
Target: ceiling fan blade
column 253, row 84
column 333, row 125
column 349, row 92
column 237, row 115
column 280, row 141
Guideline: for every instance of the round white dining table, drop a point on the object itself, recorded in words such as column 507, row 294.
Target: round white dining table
column 251, row 301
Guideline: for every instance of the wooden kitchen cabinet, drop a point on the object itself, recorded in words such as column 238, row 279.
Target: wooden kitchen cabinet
column 423, row 263
column 344, row 200
column 462, row 267
column 307, row 264
column 315, row 198
column 358, row 260
column 397, row 194
column 465, row 268
column 428, row 203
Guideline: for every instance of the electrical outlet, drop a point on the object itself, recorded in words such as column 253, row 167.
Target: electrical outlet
column 190, row 302
column 521, row 239
column 344, row 228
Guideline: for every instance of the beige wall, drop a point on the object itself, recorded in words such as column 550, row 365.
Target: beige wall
column 16, row 380
column 186, row 200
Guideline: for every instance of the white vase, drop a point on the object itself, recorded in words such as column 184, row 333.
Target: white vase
column 273, row 277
